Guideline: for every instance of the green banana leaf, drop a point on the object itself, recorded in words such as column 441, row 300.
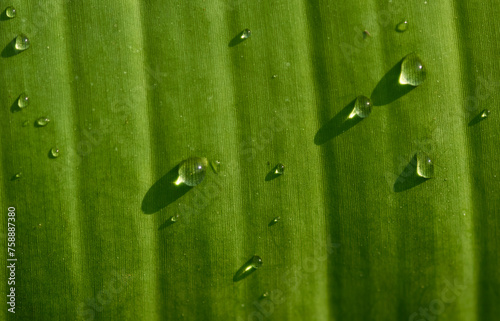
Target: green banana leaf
column 132, row 88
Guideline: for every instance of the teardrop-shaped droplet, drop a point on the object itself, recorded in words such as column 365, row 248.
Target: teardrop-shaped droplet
column 248, row 268
column 23, row 101
column 42, row 121
column 402, row 26
column 18, row 175
column 54, row 152
column 10, row 12
column 192, row 171
column 362, row 107
column 22, row 42
column 246, row 34
column 425, row 166
column 413, row 71
column 485, row 113
column 280, row 169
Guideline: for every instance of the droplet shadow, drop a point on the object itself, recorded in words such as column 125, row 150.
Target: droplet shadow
column 477, row 119
column 10, row 50
column 388, row 88
column 3, row 15
column 14, row 108
column 244, row 271
column 237, row 39
column 164, row 192
column 408, row 177
column 337, row 125
column 166, row 224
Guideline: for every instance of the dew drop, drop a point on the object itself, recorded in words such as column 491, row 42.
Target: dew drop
column 22, row 42
column 485, row 113
column 362, row 107
column 256, row 262
column 215, row 164
column 192, row 171
column 18, row 175
column 23, row 101
column 280, row 169
column 42, row 121
column 275, row 220
column 402, row 26
column 275, row 76
column 174, row 218
column 245, row 34
column 10, row 12
column 413, row 71
column 54, row 152
column 249, row 267
column 264, row 295
column 425, row 165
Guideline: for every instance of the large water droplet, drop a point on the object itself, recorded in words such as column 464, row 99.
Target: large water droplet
column 413, row 71
column 362, row 107
column 249, row 267
column 10, row 12
column 245, row 34
column 485, row 113
column 425, row 166
column 23, row 100
column 22, row 42
column 42, row 121
column 54, row 152
column 192, row 171
column 402, row 26
column 280, row 169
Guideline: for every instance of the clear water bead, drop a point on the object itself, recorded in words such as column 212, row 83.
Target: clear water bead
column 362, row 107
column 413, row 71
column 42, row 121
column 10, row 12
column 192, row 171
column 22, row 42
column 280, row 169
column 174, row 218
column 246, row 34
column 425, row 165
column 402, row 26
column 485, row 113
column 23, row 100
column 54, row 152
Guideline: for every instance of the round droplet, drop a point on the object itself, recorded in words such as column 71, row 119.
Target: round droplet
column 10, row 12
column 362, row 107
column 18, row 175
column 425, row 166
column 174, row 218
column 412, row 71
column 402, row 26
column 23, row 100
column 256, row 262
column 280, row 169
column 265, row 295
column 54, row 152
column 22, row 42
column 276, row 219
column 42, row 121
column 215, row 164
column 246, row 34
column 192, row 171
column 485, row 113
column 275, row 76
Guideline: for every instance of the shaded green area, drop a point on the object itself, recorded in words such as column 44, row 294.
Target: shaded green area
column 132, row 88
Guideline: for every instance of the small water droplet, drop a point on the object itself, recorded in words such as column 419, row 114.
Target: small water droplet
column 275, row 76
column 246, row 34
column 264, row 295
column 18, row 175
column 10, row 12
column 413, row 71
column 249, row 267
column 192, row 171
column 23, row 100
column 54, row 152
column 215, row 164
column 402, row 26
column 174, row 218
column 42, row 121
column 362, row 107
column 22, row 42
column 280, row 169
column 425, row 166
column 485, row 113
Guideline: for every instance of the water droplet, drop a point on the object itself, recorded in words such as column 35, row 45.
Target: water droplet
column 23, row 100
column 22, row 42
column 26, row 123
column 215, row 166
column 413, row 71
column 275, row 220
column 362, row 107
column 280, row 169
column 402, row 26
column 54, row 152
column 264, row 295
column 246, row 34
column 10, row 12
column 18, row 175
column 425, row 166
column 275, row 76
column 192, row 171
column 174, row 218
column 485, row 113
column 249, row 267
column 42, row 121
